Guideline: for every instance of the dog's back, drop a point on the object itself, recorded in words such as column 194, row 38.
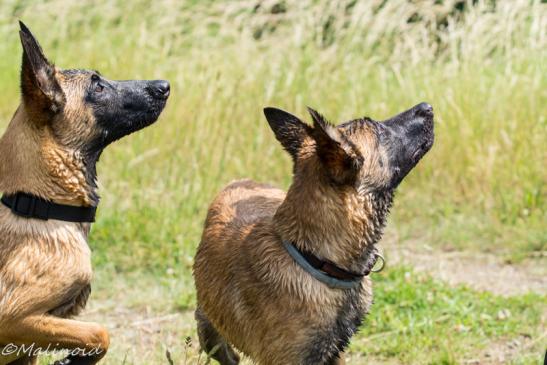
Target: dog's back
column 243, row 203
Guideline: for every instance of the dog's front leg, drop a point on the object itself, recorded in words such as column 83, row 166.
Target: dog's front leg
column 88, row 342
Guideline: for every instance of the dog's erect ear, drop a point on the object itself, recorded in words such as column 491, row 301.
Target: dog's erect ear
column 39, row 87
column 288, row 129
column 339, row 155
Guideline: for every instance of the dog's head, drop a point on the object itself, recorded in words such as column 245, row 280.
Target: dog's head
column 84, row 110
column 368, row 155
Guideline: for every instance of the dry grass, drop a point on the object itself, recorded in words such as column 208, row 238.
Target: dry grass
column 484, row 71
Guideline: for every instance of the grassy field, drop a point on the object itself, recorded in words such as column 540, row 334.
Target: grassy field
column 482, row 188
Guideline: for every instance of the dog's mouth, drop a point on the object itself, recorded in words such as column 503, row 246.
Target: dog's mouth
column 146, row 118
column 133, row 116
column 142, row 111
column 422, row 150
column 419, row 138
column 428, row 138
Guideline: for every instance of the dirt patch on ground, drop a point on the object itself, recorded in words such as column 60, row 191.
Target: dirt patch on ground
column 480, row 271
column 143, row 337
column 142, row 333
column 140, row 336
column 505, row 351
column 484, row 272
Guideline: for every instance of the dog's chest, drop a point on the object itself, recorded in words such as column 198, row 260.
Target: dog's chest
column 47, row 265
column 331, row 338
column 74, row 273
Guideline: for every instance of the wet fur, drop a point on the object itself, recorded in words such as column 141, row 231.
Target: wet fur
column 251, row 293
column 261, row 301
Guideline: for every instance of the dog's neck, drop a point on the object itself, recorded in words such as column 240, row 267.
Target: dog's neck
column 31, row 161
column 332, row 222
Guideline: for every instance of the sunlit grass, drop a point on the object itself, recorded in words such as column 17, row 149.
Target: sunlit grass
column 414, row 320
column 481, row 187
column 418, row 320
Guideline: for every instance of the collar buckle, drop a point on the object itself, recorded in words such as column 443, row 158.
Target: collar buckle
column 383, row 265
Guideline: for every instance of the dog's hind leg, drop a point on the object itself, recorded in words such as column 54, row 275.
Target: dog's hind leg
column 88, row 341
column 213, row 343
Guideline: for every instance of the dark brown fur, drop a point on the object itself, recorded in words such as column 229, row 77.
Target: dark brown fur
column 251, row 293
column 50, row 149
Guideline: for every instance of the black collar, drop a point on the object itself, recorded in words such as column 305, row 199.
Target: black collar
column 30, row 206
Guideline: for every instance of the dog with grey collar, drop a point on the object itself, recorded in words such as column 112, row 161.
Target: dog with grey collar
column 283, row 277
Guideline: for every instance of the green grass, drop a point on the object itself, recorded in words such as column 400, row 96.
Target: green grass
column 482, row 186
column 414, row 320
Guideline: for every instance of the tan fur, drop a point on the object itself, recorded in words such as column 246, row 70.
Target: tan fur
column 50, row 150
column 251, row 292
column 45, row 266
column 43, row 166
column 241, row 256
column 347, row 217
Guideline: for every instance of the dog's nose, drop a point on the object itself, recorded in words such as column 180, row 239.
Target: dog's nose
column 160, row 89
column 424, row 110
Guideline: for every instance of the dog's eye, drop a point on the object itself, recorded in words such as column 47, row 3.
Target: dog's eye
column 95, row 80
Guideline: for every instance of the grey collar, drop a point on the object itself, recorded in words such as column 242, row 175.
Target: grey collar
column 316, row 268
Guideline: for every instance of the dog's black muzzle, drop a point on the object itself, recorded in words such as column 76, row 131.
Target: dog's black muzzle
column 407, row 138
column 125, row 107
column 159, row 89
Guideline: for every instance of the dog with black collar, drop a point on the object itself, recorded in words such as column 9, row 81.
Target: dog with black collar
column 48, row 178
